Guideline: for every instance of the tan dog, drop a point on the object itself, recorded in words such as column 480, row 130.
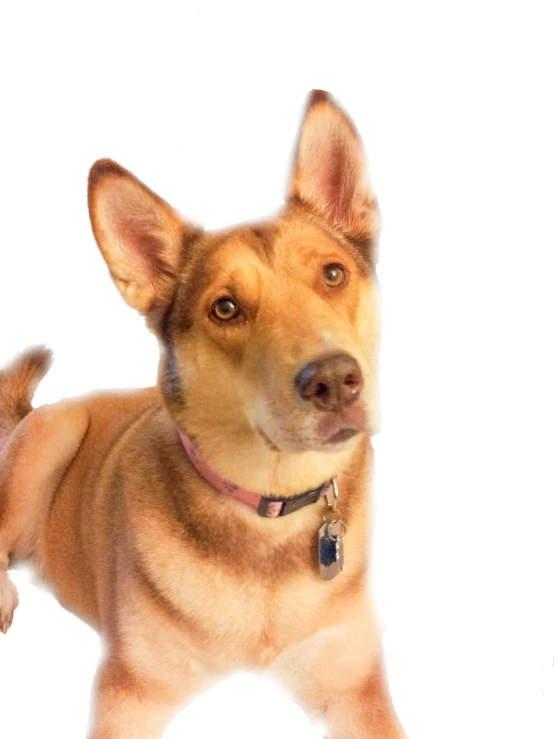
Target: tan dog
column 268, row 338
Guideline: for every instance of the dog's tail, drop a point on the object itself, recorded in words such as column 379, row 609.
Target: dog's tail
column 18, row 382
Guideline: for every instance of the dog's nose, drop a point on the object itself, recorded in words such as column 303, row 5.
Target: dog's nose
column 331, row 383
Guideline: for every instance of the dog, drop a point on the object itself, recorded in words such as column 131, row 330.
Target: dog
column 219, row 520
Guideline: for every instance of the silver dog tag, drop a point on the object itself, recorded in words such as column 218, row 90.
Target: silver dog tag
column 331, row 550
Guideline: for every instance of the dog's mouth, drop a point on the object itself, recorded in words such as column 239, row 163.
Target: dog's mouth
column 331, row 430
column 343, row 435
column 338, row 437
column 267, row 440
column 343, row 426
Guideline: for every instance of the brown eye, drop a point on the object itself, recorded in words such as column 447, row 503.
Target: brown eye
column 334, row 274
column 224, row 309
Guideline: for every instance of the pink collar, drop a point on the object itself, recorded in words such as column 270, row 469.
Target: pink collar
column 269, row 507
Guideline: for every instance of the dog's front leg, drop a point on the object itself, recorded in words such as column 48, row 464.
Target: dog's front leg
column 131, row 707
column 337, row 674
column 364, row 711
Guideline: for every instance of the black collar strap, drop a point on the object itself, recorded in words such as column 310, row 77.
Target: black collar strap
column 267, row 505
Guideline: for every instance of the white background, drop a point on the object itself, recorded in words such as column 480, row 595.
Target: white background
column 202, row 102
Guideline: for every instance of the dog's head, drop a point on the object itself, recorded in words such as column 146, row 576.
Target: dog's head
column 268, row 330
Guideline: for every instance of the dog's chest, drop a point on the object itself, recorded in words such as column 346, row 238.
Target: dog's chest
column 232, row 619
column 259, row 618
column 239, row 600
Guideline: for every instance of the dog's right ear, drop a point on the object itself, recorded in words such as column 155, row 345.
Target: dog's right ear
column 140, row 236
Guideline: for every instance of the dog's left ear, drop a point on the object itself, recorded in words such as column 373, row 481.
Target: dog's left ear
column 330, row 172
column 140, row 236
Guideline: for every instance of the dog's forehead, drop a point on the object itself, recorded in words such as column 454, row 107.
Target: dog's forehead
column 269, row 246
column 258, row 259
column 245, row 246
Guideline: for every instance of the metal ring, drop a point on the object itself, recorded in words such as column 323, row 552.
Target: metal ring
column 342, row 531
column 333, row 503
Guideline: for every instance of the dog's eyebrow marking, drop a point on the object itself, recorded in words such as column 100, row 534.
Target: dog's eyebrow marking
column 360, row 250
column 264, row 242
column 194, row 280
column 363, row 251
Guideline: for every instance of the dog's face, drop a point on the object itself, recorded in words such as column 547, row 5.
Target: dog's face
column 269, row 330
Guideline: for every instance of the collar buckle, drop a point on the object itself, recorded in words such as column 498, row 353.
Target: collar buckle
column 277, row 507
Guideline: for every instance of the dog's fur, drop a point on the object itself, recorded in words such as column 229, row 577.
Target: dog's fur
column 187, row 584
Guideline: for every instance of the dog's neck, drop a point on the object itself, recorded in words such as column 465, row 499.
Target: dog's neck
column 244, row 459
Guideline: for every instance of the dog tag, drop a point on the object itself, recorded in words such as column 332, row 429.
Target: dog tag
column 331, row 550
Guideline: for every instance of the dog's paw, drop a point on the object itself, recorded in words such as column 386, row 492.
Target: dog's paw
column 8, row 601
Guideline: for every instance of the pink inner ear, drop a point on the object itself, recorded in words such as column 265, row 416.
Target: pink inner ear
column 331, row 172
column 139, row 241
column 330, row 177
column 331, row 181
column 335, row 181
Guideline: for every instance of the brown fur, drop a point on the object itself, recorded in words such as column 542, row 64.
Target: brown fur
column 17, row 386
column 186, row 584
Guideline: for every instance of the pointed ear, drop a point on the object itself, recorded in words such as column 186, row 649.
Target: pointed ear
column 140, row 236
column 330, row 172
